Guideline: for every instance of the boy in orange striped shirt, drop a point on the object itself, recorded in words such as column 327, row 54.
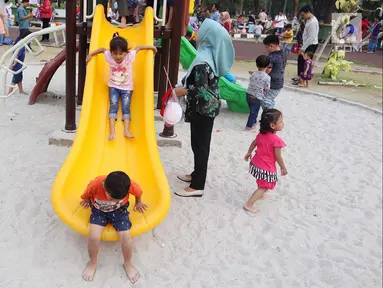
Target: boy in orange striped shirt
column 108, row 197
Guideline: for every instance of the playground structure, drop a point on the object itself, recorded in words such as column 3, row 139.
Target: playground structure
column 92, row 154
column 8, row 58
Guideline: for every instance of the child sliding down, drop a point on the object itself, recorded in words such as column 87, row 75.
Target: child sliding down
column 269, row 146
column 108, row 198
column 120, row 59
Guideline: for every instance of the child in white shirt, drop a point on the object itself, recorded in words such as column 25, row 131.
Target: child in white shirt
column 258, row 31
column 120, row 59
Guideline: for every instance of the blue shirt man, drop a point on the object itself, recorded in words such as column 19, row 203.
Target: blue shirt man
column 215, row 15
column 23, row 16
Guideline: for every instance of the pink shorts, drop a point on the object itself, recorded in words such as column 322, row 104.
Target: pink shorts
column 266, row 185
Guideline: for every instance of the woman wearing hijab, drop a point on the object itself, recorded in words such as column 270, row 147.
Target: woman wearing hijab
column 226, row 21
column 215, row 56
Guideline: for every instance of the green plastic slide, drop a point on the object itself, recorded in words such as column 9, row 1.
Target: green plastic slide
column 234, row 94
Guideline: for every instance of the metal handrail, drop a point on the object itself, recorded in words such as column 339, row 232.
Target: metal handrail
column 85, row 15
column 5, row 67
column 163, row 20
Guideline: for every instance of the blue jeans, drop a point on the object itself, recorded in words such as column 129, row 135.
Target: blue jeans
column 279, row 29
column 254, row 105
column 372, row 43
column 1, row 39
column 114, row 96
column 269, row 98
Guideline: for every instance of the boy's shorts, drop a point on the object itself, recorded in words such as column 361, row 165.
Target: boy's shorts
column 118, row 218
column 17, row 78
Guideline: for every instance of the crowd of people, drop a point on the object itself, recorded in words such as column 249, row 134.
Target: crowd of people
column 306, row 36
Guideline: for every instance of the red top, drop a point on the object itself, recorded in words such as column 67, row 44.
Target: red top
column 365, row 26
column 100, row 200
column 46, row 10
column 264, row 157
column 227, row 26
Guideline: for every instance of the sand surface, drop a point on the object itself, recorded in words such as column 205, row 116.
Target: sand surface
column 321, row 227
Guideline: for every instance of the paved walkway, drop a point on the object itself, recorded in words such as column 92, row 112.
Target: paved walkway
column 249, row 50
column 354, row 67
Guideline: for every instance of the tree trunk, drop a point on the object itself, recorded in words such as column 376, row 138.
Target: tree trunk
column 204, row 4
column 256, row 7
column 241, row 7
column 328, row 16
column 295, row 7
column 323, row 9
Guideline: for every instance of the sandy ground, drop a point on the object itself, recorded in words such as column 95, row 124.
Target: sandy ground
column 321, row 227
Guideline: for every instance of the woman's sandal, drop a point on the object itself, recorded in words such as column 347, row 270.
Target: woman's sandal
column 183, row 193
column 184, row 178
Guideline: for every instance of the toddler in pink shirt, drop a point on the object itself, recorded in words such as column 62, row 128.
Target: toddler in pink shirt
column 269, row 146
column 120, row 59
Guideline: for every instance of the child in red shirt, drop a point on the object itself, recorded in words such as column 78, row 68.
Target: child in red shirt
column 108, row 197
column 226, row 21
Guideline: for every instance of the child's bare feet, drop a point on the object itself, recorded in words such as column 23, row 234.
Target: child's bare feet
column 89, row 271
column 128, row 134
column 131, row 272
column 302, row 85
column 112, row 135
column 122, row 26
column 251, row 209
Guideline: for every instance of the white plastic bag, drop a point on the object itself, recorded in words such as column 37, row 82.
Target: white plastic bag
column 173, row 111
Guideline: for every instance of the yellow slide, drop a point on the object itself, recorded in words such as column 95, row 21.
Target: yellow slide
column 92, row 154
column 191, row 7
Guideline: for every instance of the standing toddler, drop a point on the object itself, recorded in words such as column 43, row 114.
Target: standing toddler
column 269, row 150
column 307, row 74
column 255, row 94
